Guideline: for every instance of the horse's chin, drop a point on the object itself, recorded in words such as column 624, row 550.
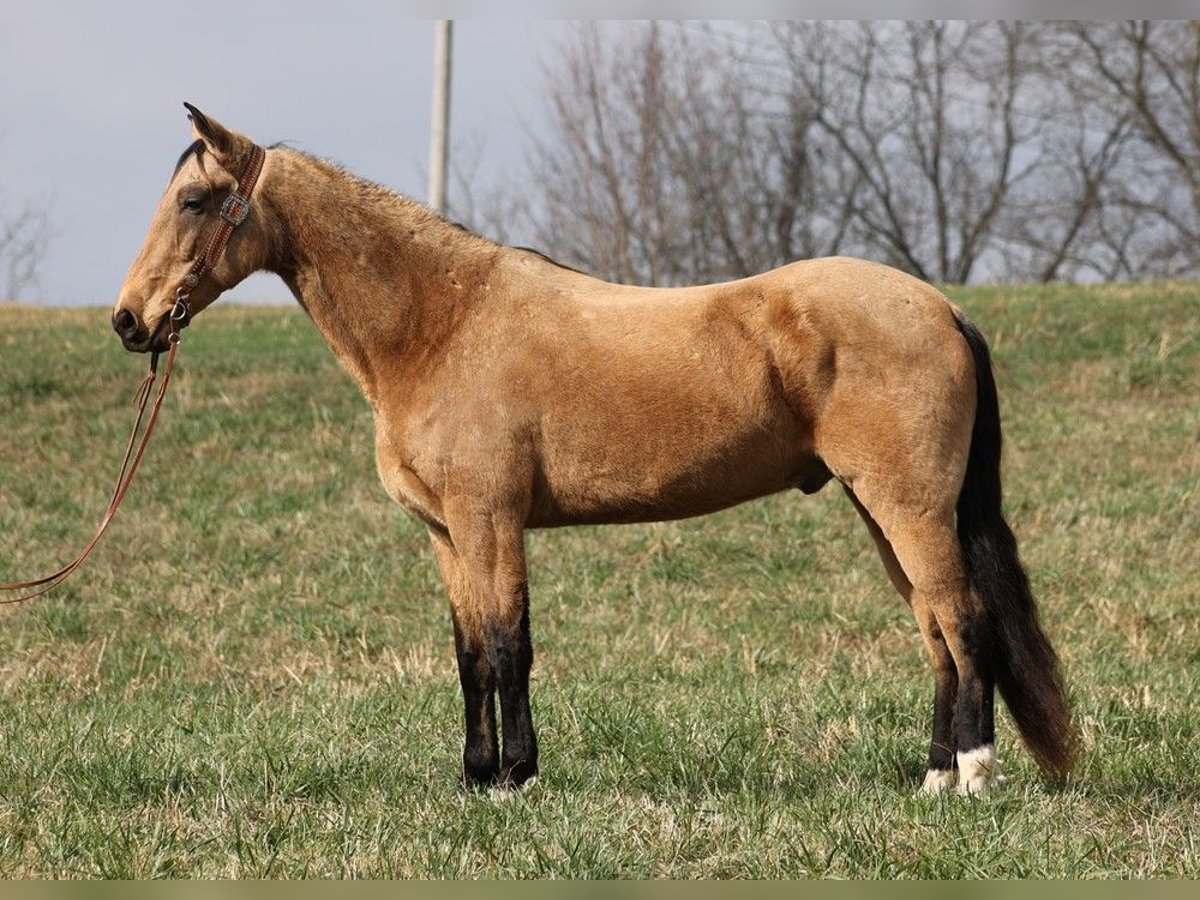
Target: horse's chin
column 146, row 346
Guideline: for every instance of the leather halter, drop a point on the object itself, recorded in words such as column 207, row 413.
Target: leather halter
column 233, row 213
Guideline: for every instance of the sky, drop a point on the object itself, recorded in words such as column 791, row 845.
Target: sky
column 92, row 121
column 91, row 93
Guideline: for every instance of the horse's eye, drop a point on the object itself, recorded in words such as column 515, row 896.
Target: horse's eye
column 193, row 204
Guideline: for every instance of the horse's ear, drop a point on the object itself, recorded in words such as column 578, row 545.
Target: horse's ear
column 225, row 145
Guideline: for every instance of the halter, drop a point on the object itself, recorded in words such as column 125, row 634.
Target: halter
column 233, row 213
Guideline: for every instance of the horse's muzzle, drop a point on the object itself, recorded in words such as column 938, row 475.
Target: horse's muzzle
column 125, row 324
column 135, row 337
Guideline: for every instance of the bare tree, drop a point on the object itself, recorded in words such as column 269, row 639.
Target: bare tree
column 604, row 185
column 1060, row 221
column 752, row 161
column 670, row 161
column 680, row 155
column 1050, row 226
column 1148, row 74
column 928, row 114
column 498, row 209
column 25, row 234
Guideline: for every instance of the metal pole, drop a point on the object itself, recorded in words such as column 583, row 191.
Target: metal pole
column 439, row 150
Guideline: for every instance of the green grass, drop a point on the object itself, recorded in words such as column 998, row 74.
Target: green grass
column 253, row 675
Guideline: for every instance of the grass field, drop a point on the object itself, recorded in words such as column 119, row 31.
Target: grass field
column 253, row 676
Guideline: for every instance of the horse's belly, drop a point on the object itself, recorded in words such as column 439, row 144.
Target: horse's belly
column 672, row 485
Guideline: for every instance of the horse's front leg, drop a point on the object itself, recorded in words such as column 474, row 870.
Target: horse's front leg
column 481, row 749
column 486, row 548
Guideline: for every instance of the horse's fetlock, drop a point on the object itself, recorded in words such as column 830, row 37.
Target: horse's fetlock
column 518, row 774
column 480, row 766
column 977, row 769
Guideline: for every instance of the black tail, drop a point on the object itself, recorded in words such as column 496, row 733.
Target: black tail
column 1024, row 663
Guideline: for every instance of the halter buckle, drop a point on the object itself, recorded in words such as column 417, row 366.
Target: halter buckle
column 235, row 209
column 180, row 311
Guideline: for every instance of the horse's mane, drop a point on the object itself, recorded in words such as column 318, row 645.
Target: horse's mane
column 549, row 259
column 373, row 191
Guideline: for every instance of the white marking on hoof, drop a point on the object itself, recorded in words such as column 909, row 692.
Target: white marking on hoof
column 977, row 770
column 507, row 793
column 938, row 781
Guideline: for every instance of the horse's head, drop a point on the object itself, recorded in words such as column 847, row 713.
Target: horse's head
column 192, row 211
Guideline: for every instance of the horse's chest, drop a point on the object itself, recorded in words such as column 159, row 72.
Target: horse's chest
column 403, row 484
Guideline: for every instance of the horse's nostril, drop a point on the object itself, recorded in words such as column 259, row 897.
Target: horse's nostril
column 124, row 323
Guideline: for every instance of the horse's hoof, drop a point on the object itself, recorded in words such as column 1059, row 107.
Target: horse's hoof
column 476, row 782
column 507, row 790
column 938, row 781
column 977, row 770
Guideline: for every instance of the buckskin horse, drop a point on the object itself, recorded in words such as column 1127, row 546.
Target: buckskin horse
column 510, row 392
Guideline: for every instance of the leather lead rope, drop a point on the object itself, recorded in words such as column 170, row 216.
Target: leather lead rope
column 129, row 467
column 234, row 211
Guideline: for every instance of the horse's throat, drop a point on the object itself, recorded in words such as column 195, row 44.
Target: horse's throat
column 347, row 332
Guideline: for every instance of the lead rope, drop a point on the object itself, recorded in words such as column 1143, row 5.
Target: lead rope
column 234, row 211
column 129, row 466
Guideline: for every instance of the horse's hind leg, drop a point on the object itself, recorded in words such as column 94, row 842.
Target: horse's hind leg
column 940, row 773
column 926, row 544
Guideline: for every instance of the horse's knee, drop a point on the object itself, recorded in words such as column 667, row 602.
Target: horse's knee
column 508, row 644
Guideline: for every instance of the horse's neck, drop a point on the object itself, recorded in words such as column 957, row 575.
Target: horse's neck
column 374, row 271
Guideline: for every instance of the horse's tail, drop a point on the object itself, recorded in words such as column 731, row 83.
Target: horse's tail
column 1024, row 663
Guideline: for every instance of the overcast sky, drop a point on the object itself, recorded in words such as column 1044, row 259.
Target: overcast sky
column 91, row 113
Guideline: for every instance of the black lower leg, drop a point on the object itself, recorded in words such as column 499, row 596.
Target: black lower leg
column 512, row 656
column 974, row 714
column 942, row 744
column 988, row 714
column 481, row 752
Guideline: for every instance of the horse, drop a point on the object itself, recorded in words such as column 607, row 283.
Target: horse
column 510, row 392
